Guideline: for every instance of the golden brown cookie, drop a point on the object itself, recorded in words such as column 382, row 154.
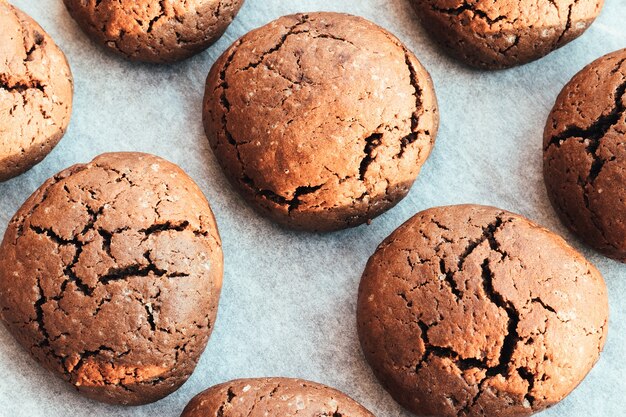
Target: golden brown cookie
column 322, row 120
column 504, row 33
column 475, row 311
column 273, row 397
column 154, row 31
column 584, row 155
column 110, row 276
column 36, row 90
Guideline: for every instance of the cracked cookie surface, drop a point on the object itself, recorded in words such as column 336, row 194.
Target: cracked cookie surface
column 322, row 121
column 584, row 155
column 110, row 276
column 475, row 311
column 273, row 397
column 505, row 33
column 156, row 31
column 36, row 90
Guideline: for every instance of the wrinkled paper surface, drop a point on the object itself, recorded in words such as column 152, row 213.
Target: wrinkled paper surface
column 288, row 303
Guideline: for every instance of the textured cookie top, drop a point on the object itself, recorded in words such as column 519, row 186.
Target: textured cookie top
column 154, row 31
column 584, row 155
column 323, row 119
column 110, row 275
column 504, row 33
column 273, row 397
column 473, row 311
column 35, row 92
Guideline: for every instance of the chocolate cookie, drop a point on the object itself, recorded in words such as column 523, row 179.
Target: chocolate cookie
column 154, row 31
column 321, row 120
column 505, row 33
column 36, row 90
column 474, row 311
column 110, row 276
column 273, row 397
column 584, row 156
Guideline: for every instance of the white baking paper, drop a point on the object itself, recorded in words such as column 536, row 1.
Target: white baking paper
column 288, row 304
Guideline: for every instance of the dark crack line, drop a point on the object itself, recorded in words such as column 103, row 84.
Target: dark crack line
column 71, row 275
column 513, row 45
column 89, row 354
column 465, row 7
column 449, row 279
column 445, row 352
column 333, row 37
column 291, row 31
column 413, row 136
column 40, row 315
column 117, row 274
column 488, row 235
column 618, row 66
column 157, row 17
column 553, row 2
column 53, row 236
column 525, row 373
column 21, row 87
column 38, row 41
column 371, row 143
column 230, row 395
column 568, row 23
column 68, row 271
column 512, row 337
column 150, row 317
column 466, row 409
column 539, row 301
column 165, row 227
column 291, row 203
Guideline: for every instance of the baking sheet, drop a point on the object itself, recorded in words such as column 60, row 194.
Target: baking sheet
column 288, row 303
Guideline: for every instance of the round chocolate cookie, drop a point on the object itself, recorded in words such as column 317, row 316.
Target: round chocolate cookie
column 110, row 276
column 474, row 311
column 273, row 397
column 321, row 120
column 501, row 34
column 584, row 157
column 36, row 90
column 154, row 31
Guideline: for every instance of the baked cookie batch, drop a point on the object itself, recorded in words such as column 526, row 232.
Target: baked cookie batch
column 111, row 272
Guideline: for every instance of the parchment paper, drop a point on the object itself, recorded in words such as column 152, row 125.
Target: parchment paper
column 288, row 304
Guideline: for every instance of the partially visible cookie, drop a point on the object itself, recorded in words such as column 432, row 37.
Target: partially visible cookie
column 504, row 33
column 110, row 276
column 273, row 397
column 154, row 31
column 475, row 311
column 585, row 158
column 36, row 90
column 322, row 120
